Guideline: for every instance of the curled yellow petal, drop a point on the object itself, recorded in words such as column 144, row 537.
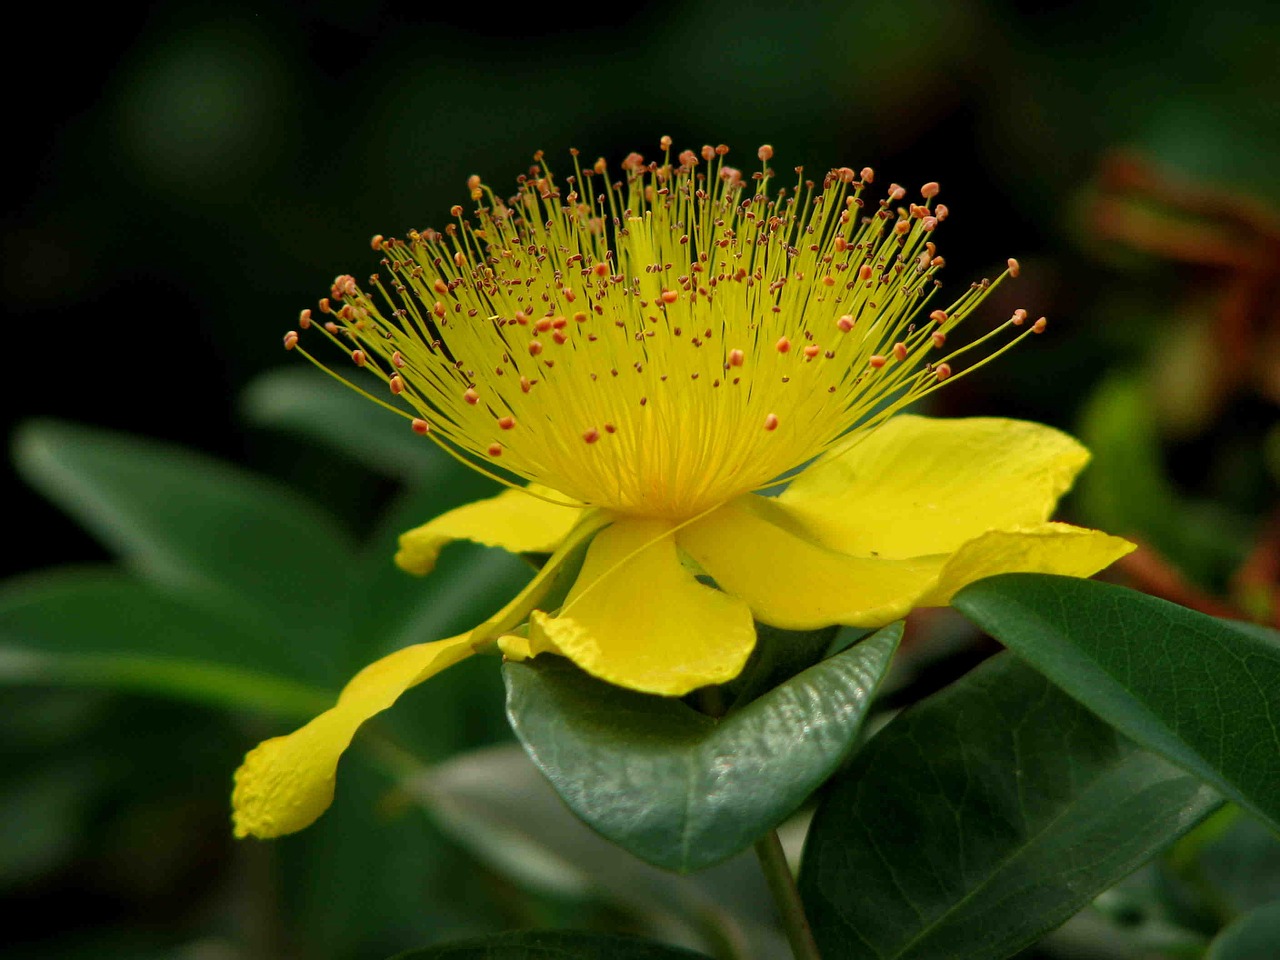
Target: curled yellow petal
column 637, row 618
column 285, row 783
column 1044, row 548
column 916, row 486
column 755, row 550
column 513, row 520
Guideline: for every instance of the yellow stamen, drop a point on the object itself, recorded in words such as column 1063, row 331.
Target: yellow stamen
column 688, row 289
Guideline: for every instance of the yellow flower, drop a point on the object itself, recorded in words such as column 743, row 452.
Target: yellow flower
column 637, row 360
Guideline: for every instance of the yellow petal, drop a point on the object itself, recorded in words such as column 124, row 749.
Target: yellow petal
column 637, row 618
column 513, row 520
column 756, row 551
column 917, row 486
column 285, row 783
column 1045, row 548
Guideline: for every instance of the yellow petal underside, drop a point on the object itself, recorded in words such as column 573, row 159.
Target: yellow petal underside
column 917, row 486
column 285, row 783
column 513, row 520
column 637, row 618
column 1044, row 548
column 757, row 551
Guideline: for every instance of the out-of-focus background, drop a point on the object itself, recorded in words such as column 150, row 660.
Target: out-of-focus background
column 188, row 176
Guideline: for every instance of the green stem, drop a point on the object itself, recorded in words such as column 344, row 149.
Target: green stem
column 783, row 887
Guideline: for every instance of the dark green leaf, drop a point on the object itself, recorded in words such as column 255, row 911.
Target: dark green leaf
column 307, row 402
column 983, row 817
column 100, row 628
column 1255, row 936
column 234, row 542
column 674, row 786
column 552, row 945
column 1203, row 692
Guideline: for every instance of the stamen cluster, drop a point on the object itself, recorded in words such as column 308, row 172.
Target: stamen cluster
column 662, row 342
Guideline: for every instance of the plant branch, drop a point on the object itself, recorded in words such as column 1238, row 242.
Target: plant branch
column 783, row 887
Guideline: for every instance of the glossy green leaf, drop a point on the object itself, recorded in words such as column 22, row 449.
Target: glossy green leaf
column 674, row 786
column 100, row 628
column 552, row 945
column 983, row 817
column 236, row 543
column 1201, row 691
column 1255, row 936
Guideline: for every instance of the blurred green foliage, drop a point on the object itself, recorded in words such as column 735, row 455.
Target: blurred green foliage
column 212, row 169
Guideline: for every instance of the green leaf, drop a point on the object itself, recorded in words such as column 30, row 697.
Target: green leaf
column 674, row 786
column 983, row 817
column 306, row 402
column 103, row 629
column 1255, row 936
column 1203, row 692
column 552, row 945
column 235, row 543
column 498, row 805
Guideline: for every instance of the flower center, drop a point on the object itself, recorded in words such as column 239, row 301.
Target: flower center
column 660, row 343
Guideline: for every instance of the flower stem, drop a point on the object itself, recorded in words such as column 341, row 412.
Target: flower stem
column 783, row 887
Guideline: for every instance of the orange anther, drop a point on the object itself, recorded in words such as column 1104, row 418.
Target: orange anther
column 930, row 190
column 812, row 351
column 864, row 272
column 495, row 449
column 877, row 361
column 1019, row 317
column 439, row 309
column 525, row 385
column 771, row 422
column 868, row 175
column 899, row 352
column 559, row 336
column 783, row 345
column 1014, row 268
column 440, row 287
column 358, row 357
column 601, row 269
column 304, row 318
column 939, row 338
column 845, row 323
column 840, row 244
column 938, row 316
column 592, row 435
column 397, row 360
column 765, row 152
column 522, row 318
column 506, row 423
column 376, row 242
column 324, row 305
column 420, row 427
column 580, row 317
column 942, row 371
column 736, row 358
column 471, row 396
column 670, row 296
column 828, row 281
column 331, row 327
column 559, row 323
column 1039, row 325
column 543, row 325
column 290, row 340
column 396, row 384
column 610, row 428
column 535, row 347
column 456, row 210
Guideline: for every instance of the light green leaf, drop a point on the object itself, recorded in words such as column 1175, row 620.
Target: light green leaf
column 1255, row 936
column 672, row 785
column 553, row 945
column 233, row 542
column 1201, row 691
column 306, row 402
column 103, row 629
column 981, row 818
